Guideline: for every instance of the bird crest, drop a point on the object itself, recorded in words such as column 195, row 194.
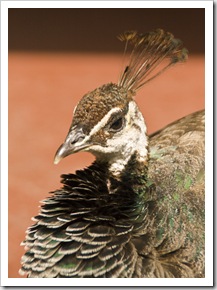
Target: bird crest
column 152, row 54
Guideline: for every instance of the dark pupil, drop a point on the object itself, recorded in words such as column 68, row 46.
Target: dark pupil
column 117, row 124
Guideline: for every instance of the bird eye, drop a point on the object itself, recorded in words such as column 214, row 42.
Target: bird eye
column 117, row 124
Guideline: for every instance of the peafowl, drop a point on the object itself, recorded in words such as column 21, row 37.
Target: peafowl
column 138, row 210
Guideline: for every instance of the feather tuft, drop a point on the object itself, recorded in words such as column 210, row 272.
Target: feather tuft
column 151, row 55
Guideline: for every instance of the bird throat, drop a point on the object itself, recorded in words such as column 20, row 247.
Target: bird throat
column 133, row 174
column 120, row 165
column 132, row 186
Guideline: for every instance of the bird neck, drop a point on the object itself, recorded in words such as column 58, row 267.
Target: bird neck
column 133, row 164
column 134, row 174
column 133, row 178
column 130, row 192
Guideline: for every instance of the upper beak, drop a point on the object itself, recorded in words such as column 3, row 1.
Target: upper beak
column 74, row 143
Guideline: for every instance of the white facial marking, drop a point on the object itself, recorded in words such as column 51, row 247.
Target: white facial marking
column 104, row 121
column 99, row 125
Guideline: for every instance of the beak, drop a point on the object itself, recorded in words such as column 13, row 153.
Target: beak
column 75, row 142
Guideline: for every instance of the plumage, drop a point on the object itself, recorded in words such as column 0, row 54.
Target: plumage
column 138, row 210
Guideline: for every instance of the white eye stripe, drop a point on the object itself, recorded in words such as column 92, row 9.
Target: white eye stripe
column 103, row 121
column 99, row 125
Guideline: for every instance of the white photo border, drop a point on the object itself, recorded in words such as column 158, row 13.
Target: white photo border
column 208, row 280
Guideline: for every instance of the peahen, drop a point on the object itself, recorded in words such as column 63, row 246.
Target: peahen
column 138, row 210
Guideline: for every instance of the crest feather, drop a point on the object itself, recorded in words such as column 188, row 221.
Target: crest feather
column 152, row 53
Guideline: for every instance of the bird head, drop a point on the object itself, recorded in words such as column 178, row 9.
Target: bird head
column 107, row 121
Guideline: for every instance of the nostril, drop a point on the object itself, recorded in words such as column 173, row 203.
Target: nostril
column 76, row 140
column 73, row 142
